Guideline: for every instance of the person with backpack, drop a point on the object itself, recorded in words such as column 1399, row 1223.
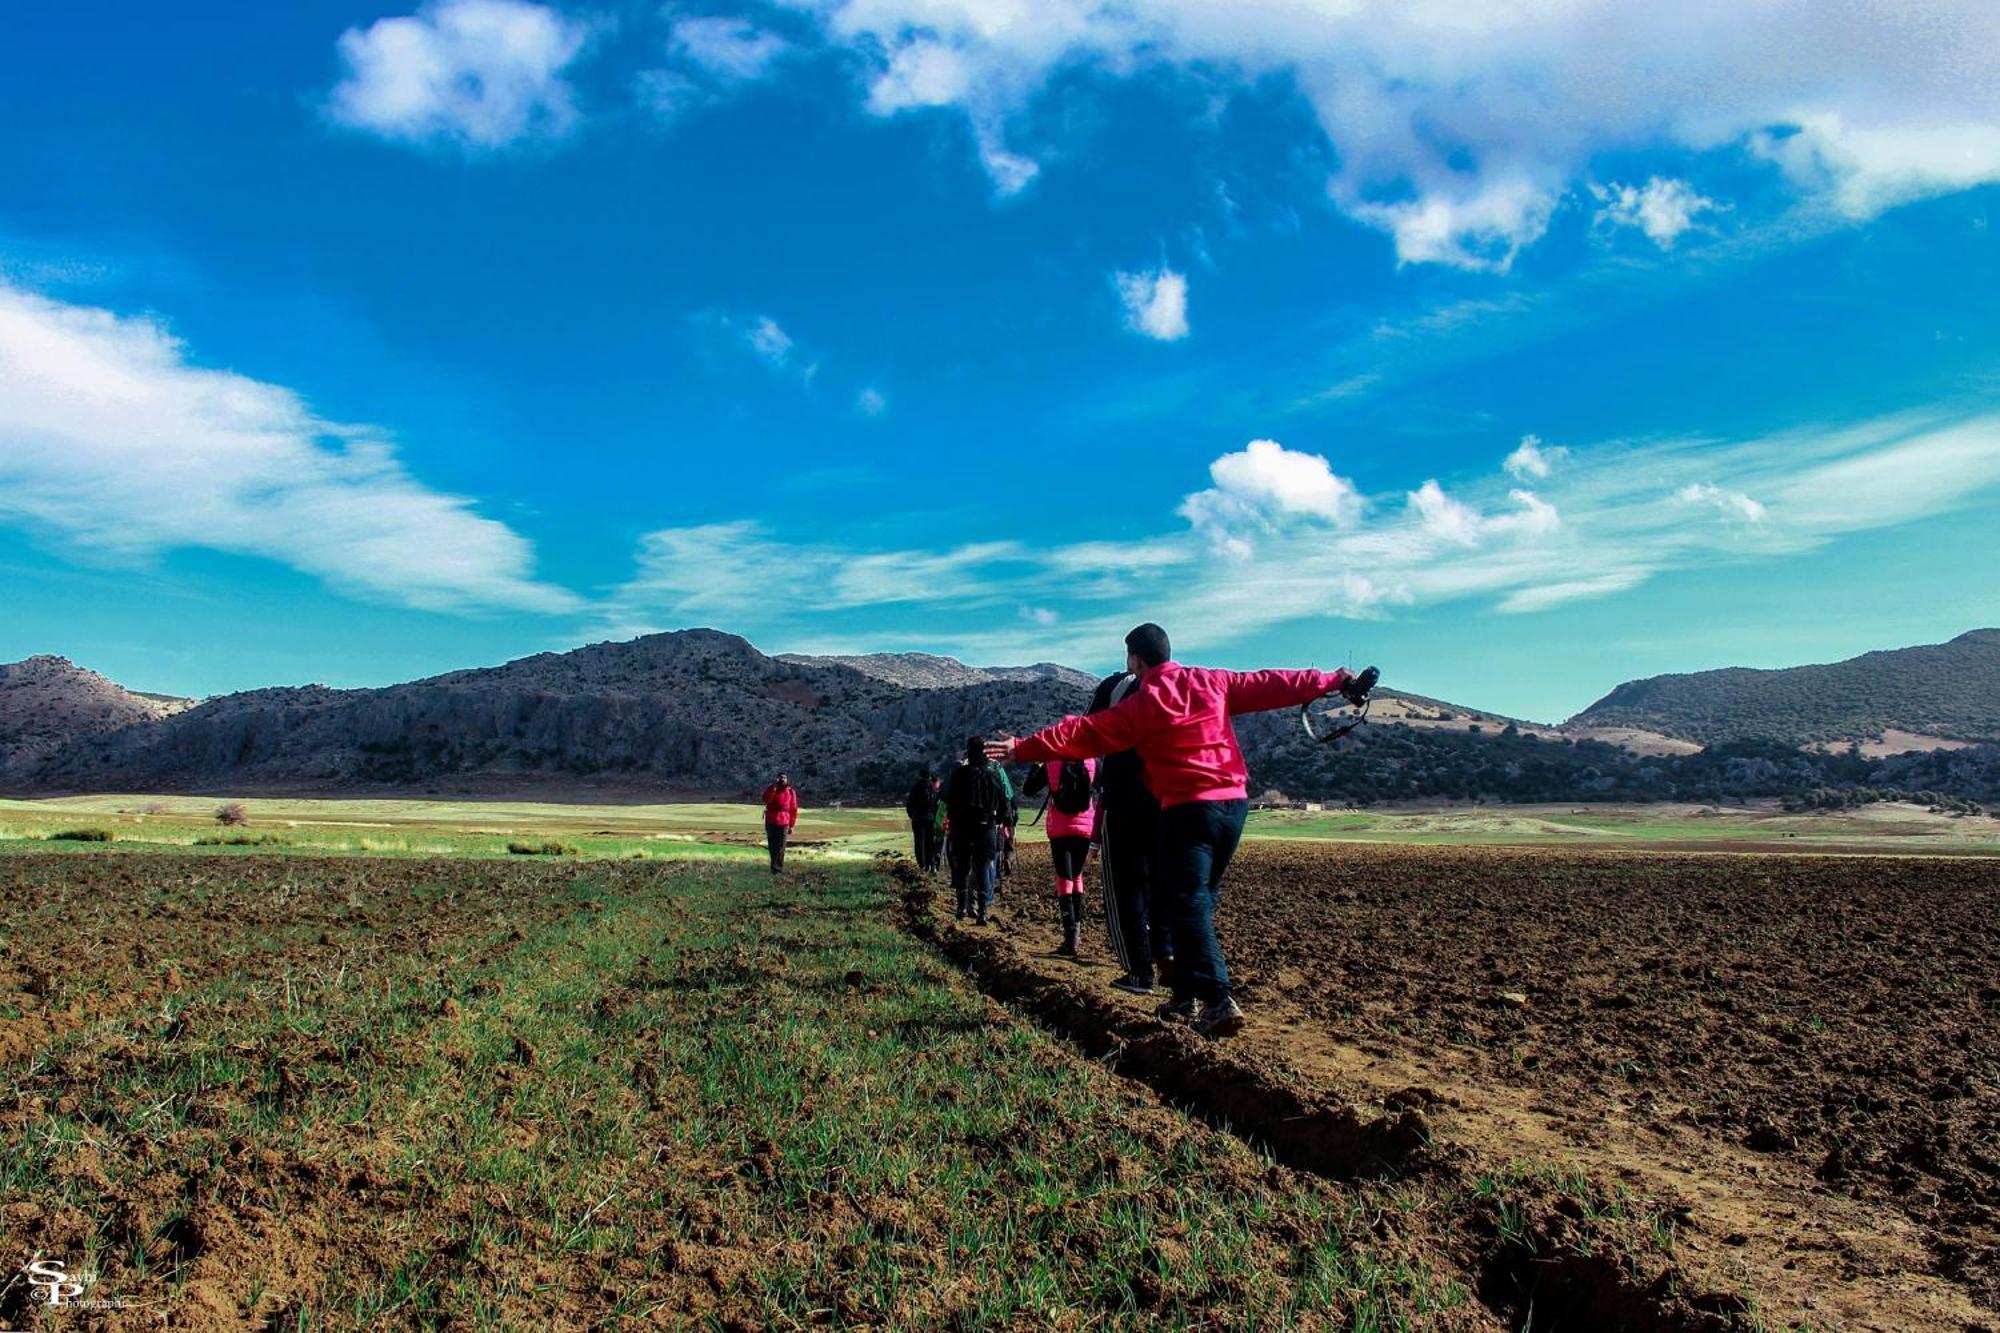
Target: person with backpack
column 1070, row 810
column 937, row 824
column 976, row 801
column 1128, row 831
column 1008, row 825
column 921, row 805
column 1178, row 720
column 781, row 813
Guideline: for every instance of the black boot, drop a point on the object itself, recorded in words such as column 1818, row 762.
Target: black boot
column 1070, row 924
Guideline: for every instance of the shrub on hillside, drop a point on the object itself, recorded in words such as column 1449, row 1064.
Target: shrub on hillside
column 82, row 835
column 232, row 815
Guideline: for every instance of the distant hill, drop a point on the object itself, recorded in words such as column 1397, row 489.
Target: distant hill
column 925, row 671
column 48, row 702
column 701, row 714
column 1947, row 691
column 690, row 714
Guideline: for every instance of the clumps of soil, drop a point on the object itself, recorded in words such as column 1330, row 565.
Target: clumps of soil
column 1837, row 1012
column 1561, row 1253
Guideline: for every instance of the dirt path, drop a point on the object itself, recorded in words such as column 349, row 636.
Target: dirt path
column 1507, row 1076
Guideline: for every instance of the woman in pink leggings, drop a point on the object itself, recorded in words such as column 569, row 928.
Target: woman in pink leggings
column 1072, row 819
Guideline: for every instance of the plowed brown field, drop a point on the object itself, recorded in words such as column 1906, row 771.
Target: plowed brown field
column 1808, row 1045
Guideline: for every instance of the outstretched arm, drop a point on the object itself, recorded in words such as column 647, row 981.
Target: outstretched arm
column 1087, row 737
column 1255, row 691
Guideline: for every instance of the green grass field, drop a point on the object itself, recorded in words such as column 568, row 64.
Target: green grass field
column 673, row 1095
column 366, row 1068
column 485, row 828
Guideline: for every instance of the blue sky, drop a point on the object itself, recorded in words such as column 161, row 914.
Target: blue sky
column 1518, row 353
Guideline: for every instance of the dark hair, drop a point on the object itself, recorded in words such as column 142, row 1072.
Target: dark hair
column 1149, row 644
column 975, row 748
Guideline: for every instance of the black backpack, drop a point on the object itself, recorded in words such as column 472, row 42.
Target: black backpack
column 980, row 801
column 1072, row 793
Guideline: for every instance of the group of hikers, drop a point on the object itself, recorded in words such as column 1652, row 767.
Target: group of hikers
column 1152, row 778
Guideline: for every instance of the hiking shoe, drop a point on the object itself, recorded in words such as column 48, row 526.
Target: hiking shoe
column 1224, row 1018
column 1180, row 1009
column 1132, row 985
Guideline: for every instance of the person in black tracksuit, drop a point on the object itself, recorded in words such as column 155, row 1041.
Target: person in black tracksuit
column 1128, row 833
column 921, row 806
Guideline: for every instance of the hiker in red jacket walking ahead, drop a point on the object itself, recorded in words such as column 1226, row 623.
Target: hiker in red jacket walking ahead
column 1178, row 721
column 781, row 812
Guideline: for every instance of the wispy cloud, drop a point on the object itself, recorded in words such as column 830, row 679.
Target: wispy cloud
column 1662, row 209
column 728, row 336
column 731, row 49
column 116, row 444
column 1279, row 537
column 477, row 74
column 1155, row 303
column 770, row 343
column 1533, row 460
column 709, row 58
column 1732, row 504
column 1458, row 130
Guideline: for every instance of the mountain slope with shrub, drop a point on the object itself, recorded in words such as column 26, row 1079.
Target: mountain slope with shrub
column 1947, row 690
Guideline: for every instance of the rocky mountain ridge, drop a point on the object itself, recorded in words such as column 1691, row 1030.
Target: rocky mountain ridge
column 701, row 714
column 1942, row 692
column 48, row 702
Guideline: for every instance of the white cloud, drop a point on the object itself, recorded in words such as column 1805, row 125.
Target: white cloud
column 1532, row 461
column 1733, row 504
column 1860, row 170
column 1459, row 524
column 114, row 441
column 1467, row 223
column 871, row 403
column 771, row 343
column 1040, row 615
column 1660, row 208
column 1260, row 488
column 665, row 93
column 741, row 572
column 1298, row 545
column 477, row 73
column 730, row 49
column 1155, row 303
column 1444, row 517
column 1458, row 129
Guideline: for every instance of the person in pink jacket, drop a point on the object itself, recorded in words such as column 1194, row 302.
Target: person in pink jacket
column 1178, row 719
column 1071, row 815
column 781, row 812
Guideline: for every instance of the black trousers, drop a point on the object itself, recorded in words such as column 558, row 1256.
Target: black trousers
column 1197, row 840
column 775, row 836
column 1129, row 832
column 921, row 833
column 973, row 873
column 1069, row 856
